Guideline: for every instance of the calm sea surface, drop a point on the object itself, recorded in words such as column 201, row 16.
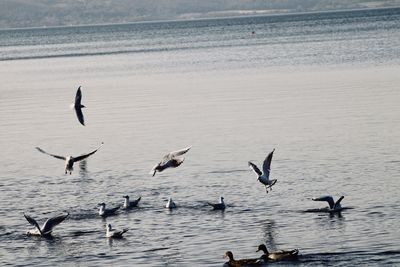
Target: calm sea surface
column 323, row 89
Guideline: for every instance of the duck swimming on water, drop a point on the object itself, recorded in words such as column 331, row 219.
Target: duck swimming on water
column 242, row 262
column 278, row 255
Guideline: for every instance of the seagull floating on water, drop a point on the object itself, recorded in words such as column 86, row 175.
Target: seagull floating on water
column 264, row 177
column 78, row 106
column 242, row 262
column 278, row 255
column 103, row 212
column 112, row 233
column 171, row 160
column 333, row 206
column 218, row 206
column 70, row 160
column 47, row 227
column 130, row 204
column 170, row 204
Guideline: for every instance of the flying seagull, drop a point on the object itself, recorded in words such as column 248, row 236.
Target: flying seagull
column 70, row 160
column 112, row 233
column 218, row 206
column 47, row 227
column 130, row 204
column 264, row 177
column 103, row 212
column 171, row 160
column 77, row 105
column 333, row 206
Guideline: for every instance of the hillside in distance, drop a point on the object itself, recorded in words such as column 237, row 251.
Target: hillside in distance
column 47, row 13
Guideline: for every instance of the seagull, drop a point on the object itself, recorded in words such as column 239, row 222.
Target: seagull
column 70, row 160
column 333, row 206
column 47, row 227
column 170, row 204
column 278, row 255
column 78, row 106
column 130, row 204
column 112, row 233
column 264, row 177
column 103, row 212
column 171, row 160
column 218, row 206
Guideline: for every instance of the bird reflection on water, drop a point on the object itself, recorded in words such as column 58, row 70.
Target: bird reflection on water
column 269, row 230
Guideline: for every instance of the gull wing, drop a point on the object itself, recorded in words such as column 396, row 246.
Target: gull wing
column 338, row 201
column 78, row 97
column 255, row 168
column 267, row 163
column 328, row 199
column 81, row 157
column 120, row 233
column 56, row 156
column 79, row 115
column 53, row 222
column 175, row 154
column 77, row 105
column 32, row 222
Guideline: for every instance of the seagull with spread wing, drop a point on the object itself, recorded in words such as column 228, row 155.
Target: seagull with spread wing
column 70, row 160
column 264, row 177
column 171, row 160
column 47, row 227
column 333, row 206
column 77, row 105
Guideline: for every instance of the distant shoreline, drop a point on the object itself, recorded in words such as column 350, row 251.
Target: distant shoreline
column 231, row 16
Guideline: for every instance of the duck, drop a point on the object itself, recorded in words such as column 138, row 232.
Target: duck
column 263, row 176
column 47, row 227
column 171, row 160
column 112, row 233
column 70, row 160
column 130, row 204
column 218, row 206
column 170, row 204
column 333, row 206
column 103, row 212
column 242, row 262
column 278, row 255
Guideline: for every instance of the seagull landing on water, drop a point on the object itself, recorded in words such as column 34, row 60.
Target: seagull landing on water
column 47, row 227
column 77, row 106
column 171, row 160
column 218, row 206
column 113, row 233
column 103, row 212
column 70, row 160
column 130, row 204
column 333, row 206
column 264, row 177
